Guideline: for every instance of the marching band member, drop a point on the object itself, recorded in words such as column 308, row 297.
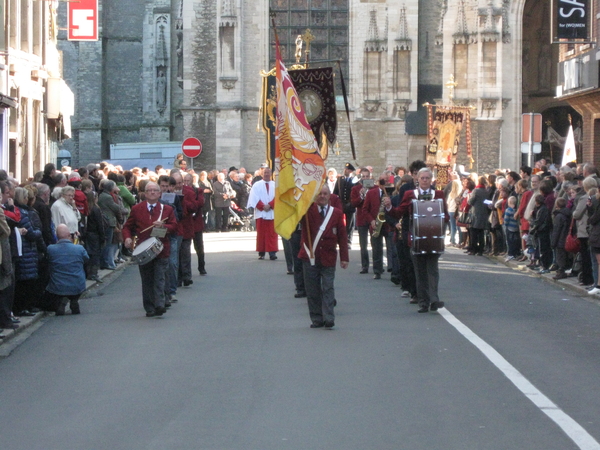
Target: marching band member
column 426, row 265
column 144, row 218
column 357, row 198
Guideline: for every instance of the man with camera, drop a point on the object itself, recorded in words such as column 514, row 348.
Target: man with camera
column 357, row 198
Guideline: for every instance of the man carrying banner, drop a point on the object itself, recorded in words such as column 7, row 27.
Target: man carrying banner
column 323, row 230
column 262, row 199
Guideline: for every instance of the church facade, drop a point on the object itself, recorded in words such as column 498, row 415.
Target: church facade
column 165, row 70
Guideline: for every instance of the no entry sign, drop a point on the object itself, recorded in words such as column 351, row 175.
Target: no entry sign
column 191, row 147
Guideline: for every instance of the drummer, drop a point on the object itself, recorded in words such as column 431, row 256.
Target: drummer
column 426, row 265
column 150, row 219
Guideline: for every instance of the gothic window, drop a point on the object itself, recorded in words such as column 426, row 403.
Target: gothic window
column 328, row 22
column 489, row 63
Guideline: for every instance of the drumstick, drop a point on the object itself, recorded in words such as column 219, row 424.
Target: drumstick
column 152, row 226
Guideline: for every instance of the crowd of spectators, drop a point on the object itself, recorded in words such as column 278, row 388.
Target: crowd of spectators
column 92, row 203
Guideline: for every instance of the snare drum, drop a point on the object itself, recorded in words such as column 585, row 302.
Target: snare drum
column 146, row 251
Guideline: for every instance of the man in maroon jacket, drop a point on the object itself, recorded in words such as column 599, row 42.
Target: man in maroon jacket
column 426, row 265
column 327, row 231
column 357, row 199
column 192, row 206
column 371, row 208
column 143, row 218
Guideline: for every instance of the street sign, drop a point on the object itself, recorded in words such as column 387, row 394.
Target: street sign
column 82, row 17
column 535, row 146
column 529, row 121
column 191, row 147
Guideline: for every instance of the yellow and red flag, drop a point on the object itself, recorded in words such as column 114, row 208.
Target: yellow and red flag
column 300, row 164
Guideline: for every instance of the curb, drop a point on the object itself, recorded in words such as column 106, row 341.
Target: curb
column 107, row 276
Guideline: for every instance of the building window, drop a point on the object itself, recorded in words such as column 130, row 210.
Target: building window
column 328, row 22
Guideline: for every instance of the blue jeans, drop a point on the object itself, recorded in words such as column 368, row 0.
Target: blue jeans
column 594, row 266
column 452, row 227
column 108, row 252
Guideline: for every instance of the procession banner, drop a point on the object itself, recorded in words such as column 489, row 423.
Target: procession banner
column 569, row 153
column 299, row 162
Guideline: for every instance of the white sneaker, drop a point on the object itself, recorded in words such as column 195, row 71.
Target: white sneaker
column 594, row 291
column 509, row 258
column 405, row 294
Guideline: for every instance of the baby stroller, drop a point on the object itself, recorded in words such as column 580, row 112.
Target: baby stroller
column 239, row 219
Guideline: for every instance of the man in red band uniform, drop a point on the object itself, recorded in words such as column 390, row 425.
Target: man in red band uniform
column 319, row 272
column 426, row 265
column 357, row 199
column 144, row 217
column 371, row 208
column 188, row 180
column 262, row 199
column 192, row 204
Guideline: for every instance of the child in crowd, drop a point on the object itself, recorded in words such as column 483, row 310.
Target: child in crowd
column 560, row 229
column 512, row 229
column 541, row 227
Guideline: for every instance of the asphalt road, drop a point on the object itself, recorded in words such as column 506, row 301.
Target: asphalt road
column 234, row 365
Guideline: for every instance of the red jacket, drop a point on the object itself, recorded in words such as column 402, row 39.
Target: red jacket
column 81, row 203
column 190, row 206
column 372, row 204
column 357, row 202
column 522, row 207
column 140, row 219
column 334, row 235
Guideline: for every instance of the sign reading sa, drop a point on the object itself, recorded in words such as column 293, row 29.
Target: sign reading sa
column 83, row 20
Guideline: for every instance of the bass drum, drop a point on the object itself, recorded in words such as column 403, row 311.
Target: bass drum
column 146, row 251
column 427, row 227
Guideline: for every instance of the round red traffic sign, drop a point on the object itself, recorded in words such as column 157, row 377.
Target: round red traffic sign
column 191, row 147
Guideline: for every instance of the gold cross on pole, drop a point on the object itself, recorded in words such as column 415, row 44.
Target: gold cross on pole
column 307, row 37
column 451, row 85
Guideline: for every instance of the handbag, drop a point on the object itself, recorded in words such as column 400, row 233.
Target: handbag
column 572, row 244
column 464, row 218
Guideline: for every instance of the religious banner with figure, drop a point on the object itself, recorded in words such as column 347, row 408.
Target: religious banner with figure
column 299, row 161
column 315, row 88
column 445, row 124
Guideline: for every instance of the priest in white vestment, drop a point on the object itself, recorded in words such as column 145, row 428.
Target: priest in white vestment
column 262, row 199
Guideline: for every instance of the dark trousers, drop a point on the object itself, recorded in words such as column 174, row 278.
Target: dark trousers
column 587, row 277
column 377, row 247
column 153, row 283
column 349, row 226
column 185, row 260
column 514, row 243
column 363, row 235
column 287, row 251
column 25, row 295
column 477, row 239
column 221, row 218
column 561, row 258
column 320, row 292
column 52, row 300
column 199, row 247
column 295, row 242
column 407, row 270
column 544, row 246
column 6, row 302
column 427, row 276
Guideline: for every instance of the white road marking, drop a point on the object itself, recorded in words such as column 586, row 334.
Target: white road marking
column 571, row 428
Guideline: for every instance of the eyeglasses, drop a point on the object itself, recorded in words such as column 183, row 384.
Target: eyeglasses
column 152, row 190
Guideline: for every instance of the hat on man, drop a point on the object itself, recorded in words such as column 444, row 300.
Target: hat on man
column 264, row 166
column 232, row 168
column 350, row 167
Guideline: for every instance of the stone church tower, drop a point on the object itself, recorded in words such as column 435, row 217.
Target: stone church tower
column 165, row 70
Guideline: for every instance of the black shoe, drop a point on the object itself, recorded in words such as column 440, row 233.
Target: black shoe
column 437, row 305
column 364, row 271
column 261, row 257
column 26, row 313
column 186, row 283
column 273, row 258
column 329, row 325
column 151, row 314
column 75, row 307
column 168, row 304
column 290, row 272
column 300, row 295
column 424, row 309
column 160, row 311
column 173, row 300
column 202, row 272
column 316, row 325
column 414, row 301
column 377, row 276
column 389, row 270
column 62, row 304
column 395, row 280
column 95, row 278
column 553, row 268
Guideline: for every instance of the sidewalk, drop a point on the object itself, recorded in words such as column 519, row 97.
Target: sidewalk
column 28, row 322
column 570, row 283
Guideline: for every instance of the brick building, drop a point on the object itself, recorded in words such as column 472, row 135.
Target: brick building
column 164, row 70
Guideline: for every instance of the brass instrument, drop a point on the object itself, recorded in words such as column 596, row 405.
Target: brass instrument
column 380, row 219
